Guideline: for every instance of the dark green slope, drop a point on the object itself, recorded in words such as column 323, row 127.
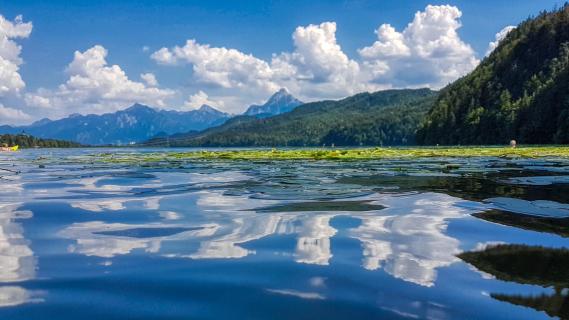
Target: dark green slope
column 386, row 117
column 521, row 91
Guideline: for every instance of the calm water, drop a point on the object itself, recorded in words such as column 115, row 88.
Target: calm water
column 283, row 240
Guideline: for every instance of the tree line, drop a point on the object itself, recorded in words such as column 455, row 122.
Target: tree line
column 27, row 141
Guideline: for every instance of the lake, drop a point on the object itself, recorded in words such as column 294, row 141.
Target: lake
column 426, row 238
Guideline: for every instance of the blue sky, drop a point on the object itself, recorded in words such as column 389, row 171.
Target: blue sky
column 129, row 33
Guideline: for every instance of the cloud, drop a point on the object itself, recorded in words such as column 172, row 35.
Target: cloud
column 236, row 79
column 317, row 68
column 391, row 44
column 38, row 100
column 150, row 79
column 317, row 56
column 427, row 53
column 10, row 80
column 96, row 87
column 199, row 99
column 10, row 115
column 227, row 68
column 499, row 37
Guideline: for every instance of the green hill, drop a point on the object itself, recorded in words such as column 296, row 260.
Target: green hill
column 521, row 91
column 388, row 117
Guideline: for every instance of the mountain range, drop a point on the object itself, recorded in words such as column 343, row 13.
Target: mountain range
column 139, row 122
column 134, row 124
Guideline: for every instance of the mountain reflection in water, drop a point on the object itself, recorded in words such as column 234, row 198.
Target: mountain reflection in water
column 533, row 265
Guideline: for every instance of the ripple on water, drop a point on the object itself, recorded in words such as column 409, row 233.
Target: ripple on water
column 541, row 208
column 147, row 232
column 539, row 180
column 323, row 206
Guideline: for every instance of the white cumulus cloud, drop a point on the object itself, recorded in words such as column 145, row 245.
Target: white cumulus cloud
column 317, row 68
column 39, row 99
column 227, row 68
column 318, row 56
column 10, row 60
column 150, row 79
column 499, row 37
column 11, row 115
column 199, row 99
column 428, row 52
column 94, row 86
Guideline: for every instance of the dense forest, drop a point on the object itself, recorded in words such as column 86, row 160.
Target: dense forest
column 388, row 117
column 27, row 141
column 521, row 91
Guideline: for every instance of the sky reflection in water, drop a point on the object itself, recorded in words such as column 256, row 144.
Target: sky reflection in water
column 277, row 239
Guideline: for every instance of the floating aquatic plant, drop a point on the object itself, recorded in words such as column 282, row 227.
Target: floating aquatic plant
column 339, row 154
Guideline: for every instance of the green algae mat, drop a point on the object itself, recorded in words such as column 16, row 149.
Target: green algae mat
column 342, row 154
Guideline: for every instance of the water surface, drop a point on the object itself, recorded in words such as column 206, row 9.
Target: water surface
column 436, row 238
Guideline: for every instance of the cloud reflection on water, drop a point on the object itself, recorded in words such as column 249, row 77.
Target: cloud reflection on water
column 407, row 239
column 91, row 242
column 17, row 261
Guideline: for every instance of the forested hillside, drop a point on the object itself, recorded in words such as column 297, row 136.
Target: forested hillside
column 521, row 91
column 386, row 117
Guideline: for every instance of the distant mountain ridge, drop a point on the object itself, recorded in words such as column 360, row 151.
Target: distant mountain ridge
column 280, row 102
column 139, row 122
column 134, row 124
